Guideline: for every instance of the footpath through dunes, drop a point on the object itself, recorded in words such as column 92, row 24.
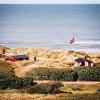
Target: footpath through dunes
column 21, row 70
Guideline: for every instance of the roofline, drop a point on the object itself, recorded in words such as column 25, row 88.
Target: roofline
column 83, row 60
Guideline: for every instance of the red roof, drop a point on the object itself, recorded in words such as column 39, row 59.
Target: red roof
column 10, row 59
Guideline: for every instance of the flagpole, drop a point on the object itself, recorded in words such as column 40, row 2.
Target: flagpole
column 73, row 46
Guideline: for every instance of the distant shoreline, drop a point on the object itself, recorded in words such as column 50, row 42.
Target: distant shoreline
column 90, row 53
column 58, row 50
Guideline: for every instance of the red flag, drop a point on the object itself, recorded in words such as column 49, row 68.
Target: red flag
column 72, row 41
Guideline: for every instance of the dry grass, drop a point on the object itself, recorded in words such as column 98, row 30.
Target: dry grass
column 80, row 89
column 20, row 96
column 17, row 95
column 70, row 92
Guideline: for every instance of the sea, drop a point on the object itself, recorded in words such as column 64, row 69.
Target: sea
column 51, row 26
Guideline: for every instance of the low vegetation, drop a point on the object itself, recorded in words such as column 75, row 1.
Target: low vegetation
column 67, row 92
column 6, row 70
column 46, row 88
column 52, row 74
column 81, row 74
column 9, row 82
column 89, row 74
column 8, row 78
column 65, row 96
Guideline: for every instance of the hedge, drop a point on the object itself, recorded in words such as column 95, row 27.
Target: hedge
column 83, row 74
column 52, row 74
column 89, row 74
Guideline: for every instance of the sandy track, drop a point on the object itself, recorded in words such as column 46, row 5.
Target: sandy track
column 20, row 72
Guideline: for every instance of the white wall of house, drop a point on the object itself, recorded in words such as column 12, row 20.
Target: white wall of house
column 86, row 63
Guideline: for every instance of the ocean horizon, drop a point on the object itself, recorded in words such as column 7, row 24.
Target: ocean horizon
column 50, row 26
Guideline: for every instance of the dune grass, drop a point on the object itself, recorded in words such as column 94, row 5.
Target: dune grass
column 69, row 92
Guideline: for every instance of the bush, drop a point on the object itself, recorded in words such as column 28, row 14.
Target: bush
column 18, row 83
column 4, row 83
column 8, row 78
column 52, row 74
column 15, row 83
column 6, row 70
column 89, row 74
column 6, row 73
column 27, row 82
column 46, row 88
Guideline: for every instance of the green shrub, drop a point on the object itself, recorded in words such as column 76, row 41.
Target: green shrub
column 6, row 73
column 27, row 82
column 4, row 83
column 8, row 78
column 6, row 70
column 52, row 74
column 15, row 83
column 18, row 83
column 46, row 88
column 11, row 83
column 89, row 74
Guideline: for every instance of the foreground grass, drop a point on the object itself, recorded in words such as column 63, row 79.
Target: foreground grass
column 16, row 94
column 69, row 92
column 62, row 96
column 66, row 96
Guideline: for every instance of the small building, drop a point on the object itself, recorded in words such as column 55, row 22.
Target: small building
column 83, row 62
column 17, row 57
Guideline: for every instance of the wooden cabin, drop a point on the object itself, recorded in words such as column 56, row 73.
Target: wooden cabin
column 17, row 58
column 83, row 62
